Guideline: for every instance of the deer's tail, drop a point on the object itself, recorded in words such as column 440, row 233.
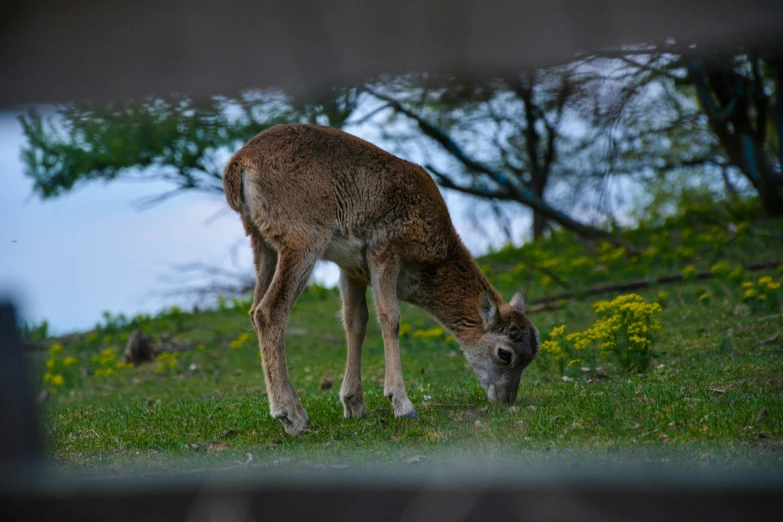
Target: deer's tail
column 233, row 180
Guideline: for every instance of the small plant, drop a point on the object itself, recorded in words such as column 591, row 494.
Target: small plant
column 53, row 377
column 762, row 295
column 109, row 364
column 689, row 273
column 61, row 369
column 35, row 332
column 436, row 334
column 556, row 353
column 166, row 361
column 240, row 341
column 624, row 330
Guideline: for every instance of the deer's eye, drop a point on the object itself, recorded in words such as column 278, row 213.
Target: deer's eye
column 504, row 355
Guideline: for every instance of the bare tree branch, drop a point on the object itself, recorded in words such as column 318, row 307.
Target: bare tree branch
column 514, row 191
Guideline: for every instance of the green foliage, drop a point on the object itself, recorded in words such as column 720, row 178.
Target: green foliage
column 33, row 333
column 175, row 139
column 762, row 295
column 208, row 380
column 688, row 200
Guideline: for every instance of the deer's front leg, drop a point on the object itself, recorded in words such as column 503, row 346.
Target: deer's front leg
column 270, row 318
column 384, row 287
column 355, row 316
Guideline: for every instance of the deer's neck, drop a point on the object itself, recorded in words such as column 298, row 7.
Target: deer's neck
column 451, row 293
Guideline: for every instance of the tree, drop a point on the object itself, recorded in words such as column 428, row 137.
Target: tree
column 507, row 138
column 736, row 124
column 175, row 139
column 742, row 98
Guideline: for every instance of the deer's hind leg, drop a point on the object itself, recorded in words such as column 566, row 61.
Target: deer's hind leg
column 265, row 260
column 355, row 315
column 294, row 266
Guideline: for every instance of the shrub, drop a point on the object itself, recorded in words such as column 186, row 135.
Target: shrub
column 762, row 295
column 624, row 331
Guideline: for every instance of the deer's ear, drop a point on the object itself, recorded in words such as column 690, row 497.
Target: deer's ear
column 518, row 302
column 489, row 311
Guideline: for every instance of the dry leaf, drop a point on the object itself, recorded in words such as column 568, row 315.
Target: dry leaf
column 326, row 382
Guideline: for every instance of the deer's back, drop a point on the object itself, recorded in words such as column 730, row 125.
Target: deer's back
column 305, row 177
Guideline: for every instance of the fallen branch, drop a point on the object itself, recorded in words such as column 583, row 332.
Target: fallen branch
column 550, row 302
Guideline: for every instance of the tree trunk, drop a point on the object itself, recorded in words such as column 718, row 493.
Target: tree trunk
column 729, row 114
column 537, row 186
column 539, row 225
column 770, row 192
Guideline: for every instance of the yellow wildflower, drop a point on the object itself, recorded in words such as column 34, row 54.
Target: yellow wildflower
column 239, row 341
column 720, row 267
column 51, row 362
column 405, row 329
column 56, row 347
column 432, row 333
column 57, row 380
column 70, row 361
column 557, row 331
column 736, row 273
column 685, row 253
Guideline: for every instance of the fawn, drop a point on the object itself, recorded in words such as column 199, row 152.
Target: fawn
column 305, row 193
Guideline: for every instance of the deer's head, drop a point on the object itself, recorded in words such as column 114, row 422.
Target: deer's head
column 509, row 344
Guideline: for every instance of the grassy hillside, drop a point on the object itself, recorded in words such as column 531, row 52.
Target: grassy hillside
column 706, row 387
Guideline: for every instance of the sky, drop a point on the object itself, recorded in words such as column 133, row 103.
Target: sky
column 67, row 260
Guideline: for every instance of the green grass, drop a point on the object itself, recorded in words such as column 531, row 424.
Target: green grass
column 702, row 400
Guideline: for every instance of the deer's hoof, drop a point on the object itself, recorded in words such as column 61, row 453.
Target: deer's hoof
column 293, row 421
column 354, row 407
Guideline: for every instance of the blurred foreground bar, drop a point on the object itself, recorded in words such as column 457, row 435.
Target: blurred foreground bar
column 464, row 495
column 68, row 50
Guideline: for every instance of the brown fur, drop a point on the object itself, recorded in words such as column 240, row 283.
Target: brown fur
column 306, row 193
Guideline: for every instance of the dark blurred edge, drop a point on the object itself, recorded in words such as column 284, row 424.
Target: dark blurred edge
column 66, row 50
column 19, row 438
column 374, row 499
